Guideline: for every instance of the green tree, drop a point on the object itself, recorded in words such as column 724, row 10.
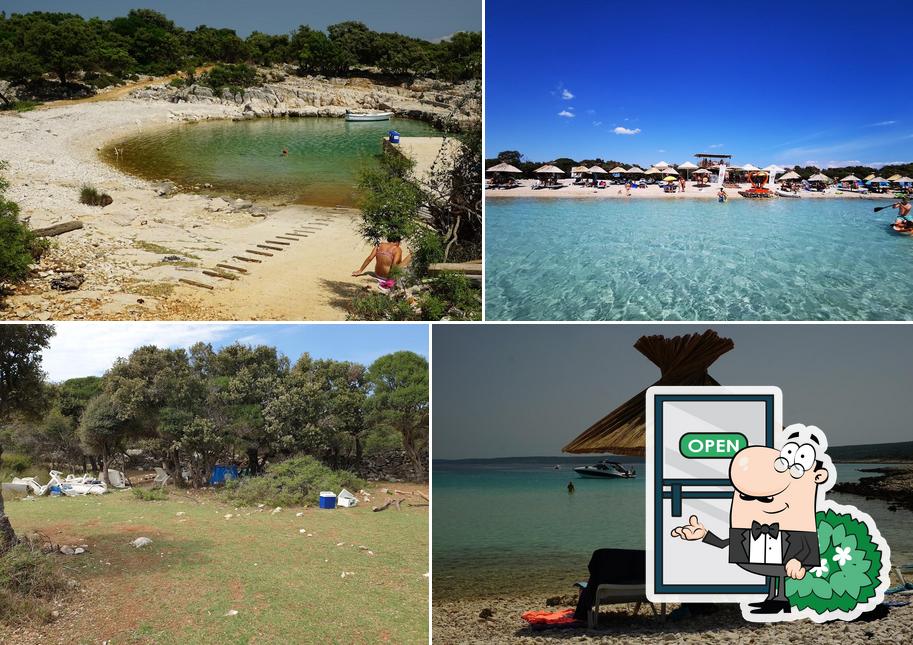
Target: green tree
column 356, row 39
column 22, row 389
column 104, row 428
column 400, row 401
column 317, row 54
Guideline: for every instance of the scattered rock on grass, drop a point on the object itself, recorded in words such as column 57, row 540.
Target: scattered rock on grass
column 140, row 542
column 231, row 612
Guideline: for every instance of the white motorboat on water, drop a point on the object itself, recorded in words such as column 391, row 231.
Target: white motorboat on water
column 605, row 470
column 368, row 116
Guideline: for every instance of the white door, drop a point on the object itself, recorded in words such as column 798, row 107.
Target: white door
column 692, row 434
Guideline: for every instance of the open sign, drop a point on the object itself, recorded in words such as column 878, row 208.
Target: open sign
column 711, row 445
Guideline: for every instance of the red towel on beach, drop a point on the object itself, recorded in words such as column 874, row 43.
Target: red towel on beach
column 563, row 617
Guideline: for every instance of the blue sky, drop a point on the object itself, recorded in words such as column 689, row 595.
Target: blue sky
column 89, row 348
column 785, row 83
column 527, row 390
column 430, row 19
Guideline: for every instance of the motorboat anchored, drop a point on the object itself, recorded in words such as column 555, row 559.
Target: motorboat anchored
column 368, row 116
column 605, row 470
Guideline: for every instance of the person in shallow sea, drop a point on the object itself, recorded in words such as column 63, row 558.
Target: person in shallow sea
column 722, row 196
column 570, row 487
column 387, row 255
column 903, row 211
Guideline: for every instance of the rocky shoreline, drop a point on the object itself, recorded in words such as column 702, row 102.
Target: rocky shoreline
column 894, row 485
column 285, row 94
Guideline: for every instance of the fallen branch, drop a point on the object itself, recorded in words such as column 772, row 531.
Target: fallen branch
column 378, row 509
column 58, row 229
column 195, row 284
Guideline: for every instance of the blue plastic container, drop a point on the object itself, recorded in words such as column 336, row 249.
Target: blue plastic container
column 394, row 136
column 221, row 473
column 327, row 499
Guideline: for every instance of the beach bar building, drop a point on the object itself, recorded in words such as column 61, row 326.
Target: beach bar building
column 709, row 160
column 682, row 360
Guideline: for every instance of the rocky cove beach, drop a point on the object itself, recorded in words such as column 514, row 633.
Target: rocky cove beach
column 127, row 259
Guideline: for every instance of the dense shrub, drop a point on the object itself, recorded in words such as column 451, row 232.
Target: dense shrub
column 150, row 494
column 20, row 247
column 234, row 77
column 29, row 580
column 451, row 294
column 92, row 197
column 373, row 305
column 293, row 482
column 15, row 463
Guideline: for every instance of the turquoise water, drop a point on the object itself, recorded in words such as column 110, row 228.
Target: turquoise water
column 646, row 259
column 245, row 157
column 504, row 526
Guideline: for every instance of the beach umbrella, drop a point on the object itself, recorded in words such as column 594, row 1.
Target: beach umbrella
column 682, row 360
column 774, row 168
column 702, row 171
column 549, row 170
column 578, row 169
column 851, row 178
column 617, row 170
column 504, row 167
column 904, row 180
column 687, row 166
column 870, row 177
column 750, row 168
column 598, row 170
column 654, row 171
column 820, row 177
column 670, row 170
column 670, row 178
column 661, row 164
column 634, row 170
column 879, row 180
column 790, row 176
column 893, row 177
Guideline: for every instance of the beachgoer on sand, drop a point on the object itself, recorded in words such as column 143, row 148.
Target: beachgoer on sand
column 387, row 255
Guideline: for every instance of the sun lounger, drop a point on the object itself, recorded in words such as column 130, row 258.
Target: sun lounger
column 611, row 594
column 161, row 477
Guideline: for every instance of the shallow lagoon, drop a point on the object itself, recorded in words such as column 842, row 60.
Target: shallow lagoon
column 245, row 157
column 821, row 259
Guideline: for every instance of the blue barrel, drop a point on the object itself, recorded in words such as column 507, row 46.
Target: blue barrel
column 327, row 499
column 222, row 473
column 394, row 136
column 55, row 490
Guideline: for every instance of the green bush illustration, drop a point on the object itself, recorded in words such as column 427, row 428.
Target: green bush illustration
column 848, row 573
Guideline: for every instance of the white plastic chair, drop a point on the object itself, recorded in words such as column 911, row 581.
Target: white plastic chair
column 161, row 477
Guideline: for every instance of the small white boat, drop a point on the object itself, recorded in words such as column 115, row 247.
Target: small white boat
column 786, row 193
column 605, row 470
column 368, row 116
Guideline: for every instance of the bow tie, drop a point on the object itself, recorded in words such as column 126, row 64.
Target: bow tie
column 767, row 529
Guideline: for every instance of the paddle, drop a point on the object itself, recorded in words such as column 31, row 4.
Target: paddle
column 881, row 208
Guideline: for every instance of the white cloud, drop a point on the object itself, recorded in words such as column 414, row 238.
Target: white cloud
column 715, row 145
column 566, row 94
column 842, row 163
column 880, row 124
column 621, row 130
column 661, row 150
column 88, row 349
column 567, row 114
column 597, row 123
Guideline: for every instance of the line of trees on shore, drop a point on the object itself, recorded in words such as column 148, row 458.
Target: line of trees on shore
column 191, row 409
column 99, row 52
column 517, row 159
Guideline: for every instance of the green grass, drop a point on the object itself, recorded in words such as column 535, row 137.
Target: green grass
column 286, row 586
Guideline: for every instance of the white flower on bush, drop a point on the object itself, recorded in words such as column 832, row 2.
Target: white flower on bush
column 842, row 555
column 821, row 570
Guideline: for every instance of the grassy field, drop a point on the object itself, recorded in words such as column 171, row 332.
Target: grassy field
column 286, row 585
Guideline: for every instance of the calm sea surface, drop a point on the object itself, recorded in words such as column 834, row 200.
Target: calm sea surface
column 245, row 157
column 655, row 259
column 503, row 526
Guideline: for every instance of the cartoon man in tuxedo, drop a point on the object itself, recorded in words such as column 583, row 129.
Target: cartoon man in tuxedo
column 773, row 531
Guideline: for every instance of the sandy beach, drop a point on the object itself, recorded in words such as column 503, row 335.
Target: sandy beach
column 650, row 192
column 459, row 622
column 133, row 253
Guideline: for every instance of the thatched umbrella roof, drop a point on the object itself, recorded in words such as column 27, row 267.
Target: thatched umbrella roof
column 791, row 175
column 851, row 178
column 820, row 177
column 579, row 169
column 687, row 166
column 617, row 170
column 597, row 170
column 503, row 167
column 682, row 360
column 549, row 169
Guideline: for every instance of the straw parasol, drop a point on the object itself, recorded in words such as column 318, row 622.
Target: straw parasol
column 790, row 176
column 682, row 360
column 687, row 166
column 774, row 168
column 617, row 170
column 597, row 170
column 894, row 177
column 702, row 171
column 654, row 171
column 851, row 178
column 820, row 177
column 634, row 170
column 504, row 167
column 578, row 169
column 670, row 170
column 750, row 168
column 878, row 180
column 548, row 169
column 904, row 180
column 661, row 164
column 870, row 177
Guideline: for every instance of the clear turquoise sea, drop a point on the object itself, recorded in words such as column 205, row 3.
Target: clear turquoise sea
column 503, row 526
column 646, row 259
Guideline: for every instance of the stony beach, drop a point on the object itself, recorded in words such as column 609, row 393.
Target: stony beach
column 459, row 622
column 128, row 258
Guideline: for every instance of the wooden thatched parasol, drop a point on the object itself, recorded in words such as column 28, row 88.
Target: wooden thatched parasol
column 682, row 360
